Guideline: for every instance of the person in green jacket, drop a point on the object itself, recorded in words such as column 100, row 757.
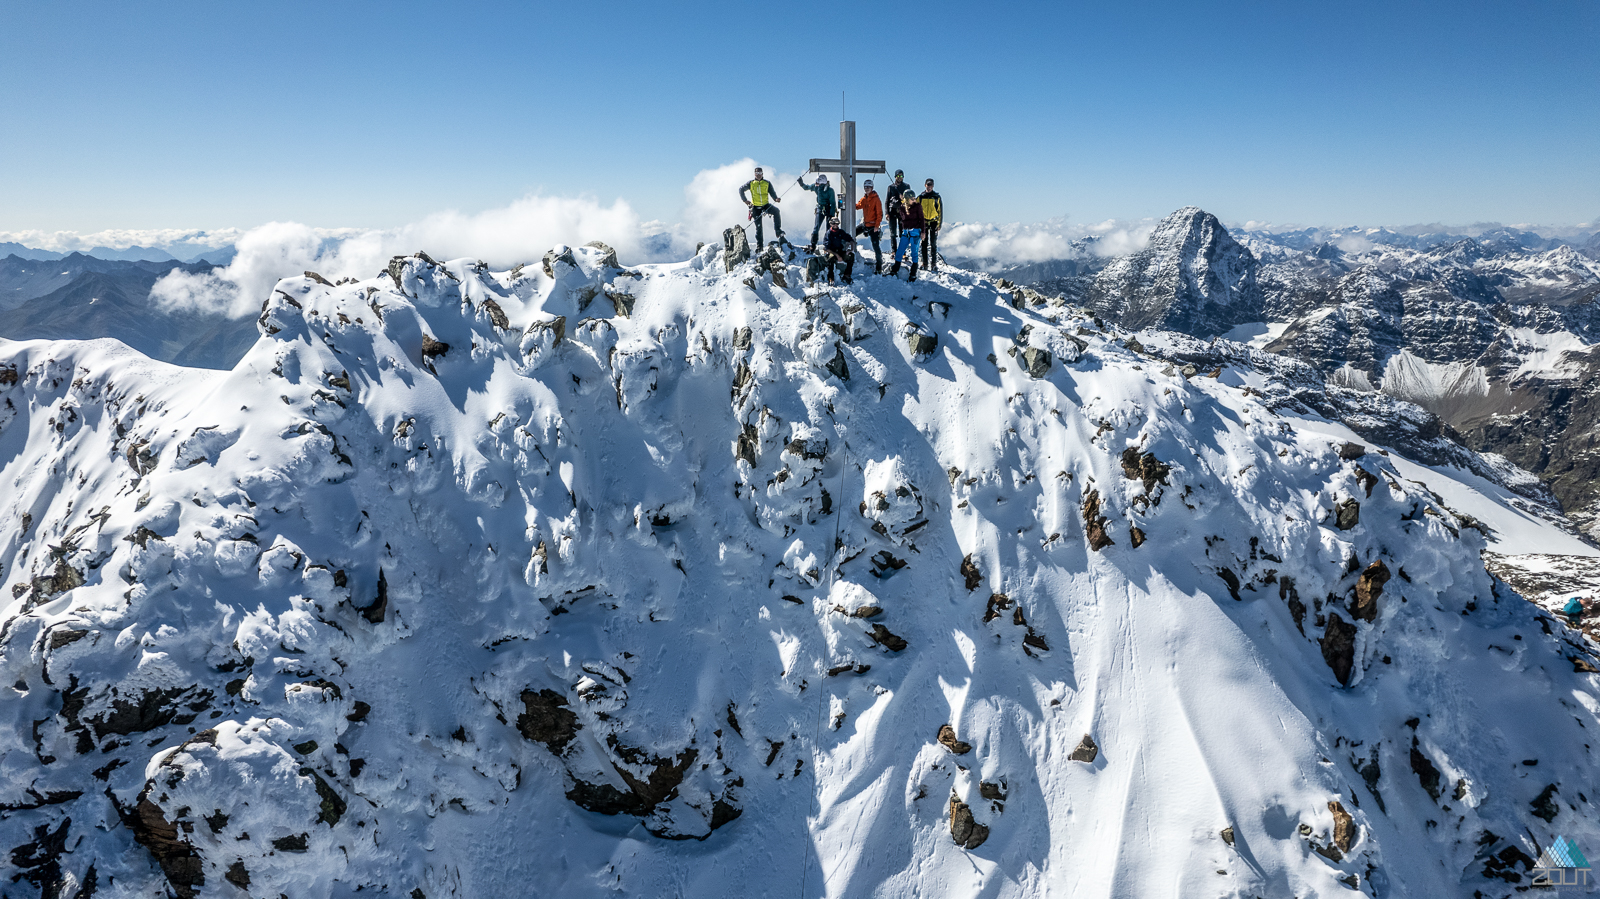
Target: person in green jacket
column 827, row 205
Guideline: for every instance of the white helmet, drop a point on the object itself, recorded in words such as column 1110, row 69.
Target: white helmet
column 822, row 179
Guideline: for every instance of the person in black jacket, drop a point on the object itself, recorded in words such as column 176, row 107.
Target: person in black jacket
column 891, row 205
column 840, row 247
column 932, row 217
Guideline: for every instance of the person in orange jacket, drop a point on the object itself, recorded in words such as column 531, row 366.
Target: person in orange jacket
column 872, row 224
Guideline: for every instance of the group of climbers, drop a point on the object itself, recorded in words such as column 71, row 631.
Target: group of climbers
column 914, row 220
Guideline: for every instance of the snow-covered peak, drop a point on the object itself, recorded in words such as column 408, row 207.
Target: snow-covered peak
column 581, row 579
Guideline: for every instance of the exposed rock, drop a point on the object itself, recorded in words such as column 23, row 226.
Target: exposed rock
column 1094, row 524
column 432, row 348
column 1348, row 514
column 837, row 365
column 1368, row 588
column 497, row 316
column 319, row 279
column 621, row 301
column 1087, row 750
column 292, row 843
column 608, row 256
column 237, row 875
column 748, row 446
column 378, row 608
column 561, row 255
column 643, row 795
column 1427, row 773
column 1544, row 805
column 735, row 248
column 991, row 791
column 1036, row 362
column 1349, row 451
column 882, row 636
column 1192, row 276
column 922, row 344
column 1227, row 835
column 178, row 859
column 1144, row 467
column 1135, row 537
column 1344, row 826
column 1339, row 647
column 964, row 829
column 546, row 719
column 947, row 738
column 970, row 572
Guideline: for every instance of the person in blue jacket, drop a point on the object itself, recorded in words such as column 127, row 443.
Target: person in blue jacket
column 1574, row 611
column 827, row 205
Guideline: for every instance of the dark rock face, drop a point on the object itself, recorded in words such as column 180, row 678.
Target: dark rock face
column 546, row 719
column 1094, row 524
column 1339, row 647
column 1344, row 827
column 1427, row 773
column 964, row 829
column 1036, row 362
column 178, row 859
column 735, row 248
column 970, row 573
column 885, row 638
column 922, row 344
column 947, row 738
column 1191, row 277
column 1368, row 589
column 1347, row 514
column 1144, row 467
column 1087, row 750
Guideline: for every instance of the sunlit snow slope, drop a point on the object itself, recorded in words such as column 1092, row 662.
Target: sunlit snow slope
column 666, row 581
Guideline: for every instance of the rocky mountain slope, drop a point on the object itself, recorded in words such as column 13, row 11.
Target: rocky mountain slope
column 1494, row 334
column 583, row 580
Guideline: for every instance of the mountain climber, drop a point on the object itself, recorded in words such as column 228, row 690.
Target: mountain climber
column 839, row 247
column 910, row 232
column 759, row 196
column 891, row 202
column 872, row 224
column 1574, row 611
column 827, row 205
column 933, row 215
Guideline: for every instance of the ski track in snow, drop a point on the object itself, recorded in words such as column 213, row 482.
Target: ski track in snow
column 533, row 615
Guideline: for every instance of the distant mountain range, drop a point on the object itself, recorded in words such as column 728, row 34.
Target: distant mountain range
column 1497, row 335
column 79, row 296
column 213, row 255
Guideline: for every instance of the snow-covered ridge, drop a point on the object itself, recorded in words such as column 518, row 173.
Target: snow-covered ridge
column 580, row 579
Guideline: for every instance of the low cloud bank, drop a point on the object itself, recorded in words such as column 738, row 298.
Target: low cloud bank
column 123, row 238
column 997, row 245
column 517, row 233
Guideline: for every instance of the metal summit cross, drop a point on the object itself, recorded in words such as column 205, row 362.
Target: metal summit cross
column 847, row 165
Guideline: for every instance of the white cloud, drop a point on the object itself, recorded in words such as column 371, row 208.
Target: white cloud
column 121, row 238
column 1016, row 243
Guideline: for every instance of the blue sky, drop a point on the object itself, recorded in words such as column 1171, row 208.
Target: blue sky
column 189, row 115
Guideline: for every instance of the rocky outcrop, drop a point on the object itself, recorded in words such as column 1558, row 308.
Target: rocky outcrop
column 964, row 829
column 1192, row 276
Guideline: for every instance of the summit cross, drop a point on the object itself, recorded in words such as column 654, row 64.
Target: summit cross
column 847, row 165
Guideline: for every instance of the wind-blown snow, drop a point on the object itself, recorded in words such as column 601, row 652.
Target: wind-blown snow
column 665, row 580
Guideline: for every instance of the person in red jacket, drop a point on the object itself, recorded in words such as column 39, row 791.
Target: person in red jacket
column 911, row 223
column 872, row 224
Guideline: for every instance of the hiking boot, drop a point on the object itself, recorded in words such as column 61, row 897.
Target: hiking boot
column 913, row 272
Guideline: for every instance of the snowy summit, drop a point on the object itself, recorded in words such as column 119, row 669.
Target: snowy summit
column 582, row 579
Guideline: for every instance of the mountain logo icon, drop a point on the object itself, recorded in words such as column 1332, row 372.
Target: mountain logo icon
column 1562, row 867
